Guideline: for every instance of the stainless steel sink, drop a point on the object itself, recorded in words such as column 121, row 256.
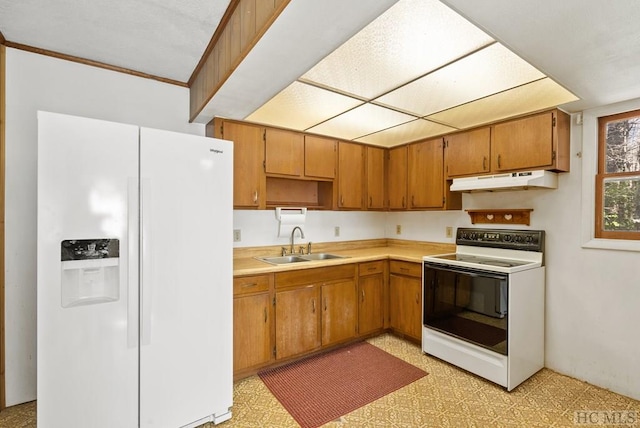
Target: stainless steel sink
column 283, row 260
column 321, row 256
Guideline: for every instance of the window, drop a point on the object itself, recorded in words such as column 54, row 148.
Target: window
column 618, row 179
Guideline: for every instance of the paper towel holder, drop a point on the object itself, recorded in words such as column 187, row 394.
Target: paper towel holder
column 283, row 212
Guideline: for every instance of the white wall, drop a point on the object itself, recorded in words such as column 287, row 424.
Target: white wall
column 36, row 82
column 261, row 227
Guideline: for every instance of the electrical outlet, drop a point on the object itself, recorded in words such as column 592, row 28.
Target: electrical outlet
column 336, row 231
column 398, row 229
column 449, row 232
column 237, row 235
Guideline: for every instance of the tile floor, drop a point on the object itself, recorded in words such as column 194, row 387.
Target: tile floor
column 447, row 397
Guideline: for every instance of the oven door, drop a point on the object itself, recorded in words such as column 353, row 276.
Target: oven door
column 470, row 304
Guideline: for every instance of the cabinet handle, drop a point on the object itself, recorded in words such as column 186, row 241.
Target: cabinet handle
column 313, row 306
column 417, row 298
column 413, row 201
column 363, row 295
column 403, row 205
column 484, row 162
column 371, row 269
column 265, row 315
column 499, row 159
column 341, row 200
column 255, row 196
column 325, row 303
column 403, row 269
column 370, row 201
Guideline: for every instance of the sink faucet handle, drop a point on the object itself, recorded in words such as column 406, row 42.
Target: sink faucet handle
column 301, row 249
column 284, row 251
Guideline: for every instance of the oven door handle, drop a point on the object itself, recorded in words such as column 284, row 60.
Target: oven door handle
column 467, row 271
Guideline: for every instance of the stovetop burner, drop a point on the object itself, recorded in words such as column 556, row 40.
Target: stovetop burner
column 482, row 260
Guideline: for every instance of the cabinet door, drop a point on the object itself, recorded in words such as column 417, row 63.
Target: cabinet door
column 249, row 181
column 467, row 153
column 284, row 152
column 426, row 177
column 297, row 321
column 320, row 157
column 375, row 178
column 350, row 175
column 523, row 143
column 370, row 298
column 251, row 332
column 339, row 312
column 397, row 178
column 405, row 305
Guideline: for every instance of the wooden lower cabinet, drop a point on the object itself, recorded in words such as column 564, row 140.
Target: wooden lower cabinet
column 405, row 298
column 314, row 308
column 252, row 322
column 339, row 312
column 297, row 321
column 371, row 282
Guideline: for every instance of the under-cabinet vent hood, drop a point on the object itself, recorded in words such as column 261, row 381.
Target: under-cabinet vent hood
column 507, row 181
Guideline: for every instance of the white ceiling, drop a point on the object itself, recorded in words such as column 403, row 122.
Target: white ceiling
column 163, row 38
column 589, row 47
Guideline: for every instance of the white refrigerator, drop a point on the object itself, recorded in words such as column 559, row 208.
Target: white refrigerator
column 134, row 276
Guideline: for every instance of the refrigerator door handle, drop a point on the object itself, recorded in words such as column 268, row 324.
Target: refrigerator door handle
column 145, row 263
column 132, row 264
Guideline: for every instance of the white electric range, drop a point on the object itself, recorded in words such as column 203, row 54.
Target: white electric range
column 483, row 306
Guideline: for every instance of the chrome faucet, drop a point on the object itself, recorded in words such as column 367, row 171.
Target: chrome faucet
column 291, row 251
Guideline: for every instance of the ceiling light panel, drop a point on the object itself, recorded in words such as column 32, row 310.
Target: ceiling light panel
column 539, row 95
column 412, row 38
column 300, row 106
column 418, row 129
column 483, row 73
column 360, row 121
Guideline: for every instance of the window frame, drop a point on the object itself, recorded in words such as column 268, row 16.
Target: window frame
column 602, row 175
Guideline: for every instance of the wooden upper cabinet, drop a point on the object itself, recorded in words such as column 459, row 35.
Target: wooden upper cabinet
column 284, row 152
column 538, row 141
column 351, row 169
column 425, row 174
column 468, row 153
column 249, row 182
column 376, row 178
column 397, row 178
column 320, row 157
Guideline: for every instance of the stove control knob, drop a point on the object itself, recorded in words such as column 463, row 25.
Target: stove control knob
column 528, row 239
column 518, row 238
column 463, row 235
column 507, row 238
column 473, row 235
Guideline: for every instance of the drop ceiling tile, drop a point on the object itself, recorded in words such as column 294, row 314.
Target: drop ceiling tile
column 410, row 39
column 538, row 95
column 483, row 73
column 405, row 133
column 362, row 120
column 300, row 106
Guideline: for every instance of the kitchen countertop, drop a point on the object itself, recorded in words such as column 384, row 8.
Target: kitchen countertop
column 245, row 263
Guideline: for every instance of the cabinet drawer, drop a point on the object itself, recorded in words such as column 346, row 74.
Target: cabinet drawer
column 250, row 284
column 371, row 268
column 314, row 276
column 405, row 268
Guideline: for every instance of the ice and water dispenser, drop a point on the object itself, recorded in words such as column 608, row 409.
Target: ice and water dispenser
column 90, row 271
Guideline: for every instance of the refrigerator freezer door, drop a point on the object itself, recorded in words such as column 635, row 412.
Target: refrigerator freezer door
column 87, row 336
column 186, row 320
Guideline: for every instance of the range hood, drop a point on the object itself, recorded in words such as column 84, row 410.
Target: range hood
column 521, row 180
